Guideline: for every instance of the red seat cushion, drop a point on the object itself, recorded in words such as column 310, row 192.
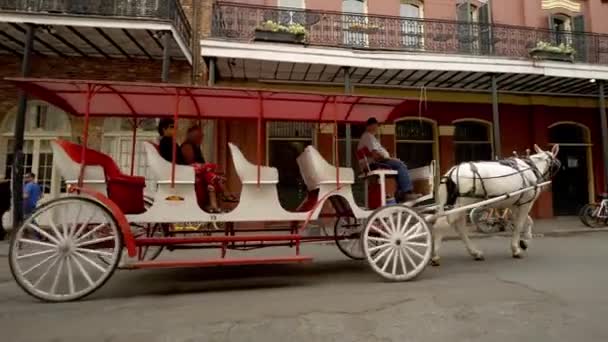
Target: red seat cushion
column 126, row 191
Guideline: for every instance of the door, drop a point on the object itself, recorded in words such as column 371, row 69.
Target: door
column 571, row 184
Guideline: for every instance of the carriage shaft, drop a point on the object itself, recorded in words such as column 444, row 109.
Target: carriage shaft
column 486, row 202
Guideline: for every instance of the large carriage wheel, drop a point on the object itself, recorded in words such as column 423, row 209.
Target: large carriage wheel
column 53, row 255
column 397, row 242
column 347, row 232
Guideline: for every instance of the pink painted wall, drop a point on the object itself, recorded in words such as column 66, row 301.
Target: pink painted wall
column 509, row 12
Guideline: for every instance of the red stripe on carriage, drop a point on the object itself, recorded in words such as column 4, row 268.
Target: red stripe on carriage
column 203, row 239
column 220, row 262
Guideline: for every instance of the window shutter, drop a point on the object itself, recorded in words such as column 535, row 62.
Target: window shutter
column 550, row 21
column 485, row 30
column 461, row 12
column 578, row 24
column 579, row 38
column 484, row 14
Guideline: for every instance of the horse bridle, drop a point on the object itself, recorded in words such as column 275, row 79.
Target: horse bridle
column 552, row 169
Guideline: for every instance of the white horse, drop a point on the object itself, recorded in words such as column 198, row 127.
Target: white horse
column 470, row 183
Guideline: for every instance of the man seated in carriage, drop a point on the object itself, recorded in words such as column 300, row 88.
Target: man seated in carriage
column 378, row 157
column 189, row 153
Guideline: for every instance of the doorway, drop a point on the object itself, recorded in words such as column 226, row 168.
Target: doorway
column 571, row 189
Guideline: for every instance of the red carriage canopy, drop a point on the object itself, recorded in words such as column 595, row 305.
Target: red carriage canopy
column 140, row 100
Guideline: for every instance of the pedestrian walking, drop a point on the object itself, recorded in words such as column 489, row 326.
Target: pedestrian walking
column 31, row 194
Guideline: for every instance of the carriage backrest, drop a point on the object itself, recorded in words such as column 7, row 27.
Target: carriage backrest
column 67, row 157
column 248, row 172
column 315, row 170
column 162, row 169
column 362, row 155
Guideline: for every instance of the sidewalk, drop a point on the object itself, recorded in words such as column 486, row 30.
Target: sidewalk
column 560, row 226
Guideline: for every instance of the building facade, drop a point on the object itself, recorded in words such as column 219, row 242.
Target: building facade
column 96, row 39
column 474, row 90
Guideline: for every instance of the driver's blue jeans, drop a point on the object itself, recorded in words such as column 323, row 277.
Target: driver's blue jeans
column 403, row 177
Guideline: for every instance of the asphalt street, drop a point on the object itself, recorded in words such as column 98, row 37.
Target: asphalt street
column 558, row 292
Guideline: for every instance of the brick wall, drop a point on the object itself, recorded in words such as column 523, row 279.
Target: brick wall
column 84, row 68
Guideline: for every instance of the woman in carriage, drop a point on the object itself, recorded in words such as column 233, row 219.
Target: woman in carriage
column 189, row 153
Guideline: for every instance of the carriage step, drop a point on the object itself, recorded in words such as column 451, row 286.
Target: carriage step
column 203, row 239
column 219, row 262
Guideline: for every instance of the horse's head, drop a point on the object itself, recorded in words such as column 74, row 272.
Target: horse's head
column 546, row 161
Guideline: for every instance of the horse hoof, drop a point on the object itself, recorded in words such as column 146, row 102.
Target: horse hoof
column 523, row 244
column 435, row 263
column 517, row 256
column 479, row 257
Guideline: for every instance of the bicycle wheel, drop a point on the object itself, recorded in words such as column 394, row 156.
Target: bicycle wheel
column 589, row 216
column 484, row 220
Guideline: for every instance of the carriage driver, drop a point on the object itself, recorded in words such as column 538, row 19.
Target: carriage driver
column 379, row 157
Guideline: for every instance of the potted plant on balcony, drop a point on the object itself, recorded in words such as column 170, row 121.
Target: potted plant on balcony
column 548, row 51
column 269, row 31
column 364, row 28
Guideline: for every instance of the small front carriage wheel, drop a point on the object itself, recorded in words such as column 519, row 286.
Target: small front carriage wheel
column 53, row 255
column 397, row 242
column 347, row 232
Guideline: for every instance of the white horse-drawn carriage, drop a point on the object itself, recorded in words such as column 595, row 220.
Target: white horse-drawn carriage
column 72, row 244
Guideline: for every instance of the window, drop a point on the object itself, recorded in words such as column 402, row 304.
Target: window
column 355, row 23
column 118, row 143
column 472, row 141
column 44, row 123
column 286, row 141
column 411, row 29
column 415, row 140
column 568, row 133
column 291, row 17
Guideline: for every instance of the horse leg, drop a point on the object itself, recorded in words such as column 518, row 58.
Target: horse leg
column 520, row 215
column 460, row 226
column 439, row 229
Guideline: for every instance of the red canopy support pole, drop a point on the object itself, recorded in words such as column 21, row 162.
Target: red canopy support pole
column 134, row 125
column 336, row 146
column 259, row 137
column 85, row 133
column 174, row 138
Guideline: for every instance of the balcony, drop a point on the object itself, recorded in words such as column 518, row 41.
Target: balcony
column 237, row 22
column 101, row 28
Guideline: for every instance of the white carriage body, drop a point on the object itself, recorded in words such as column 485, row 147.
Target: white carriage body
column 175, row 201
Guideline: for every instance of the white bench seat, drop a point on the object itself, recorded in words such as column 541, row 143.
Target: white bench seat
column 316, row 171
column 248, row 172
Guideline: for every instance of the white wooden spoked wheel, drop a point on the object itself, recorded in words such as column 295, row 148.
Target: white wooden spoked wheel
column 397, row 242
column 53, row 254
column 347, row 232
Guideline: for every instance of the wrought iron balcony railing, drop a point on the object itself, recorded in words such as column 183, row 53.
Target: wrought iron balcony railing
column 164, row 10
column 235, row 21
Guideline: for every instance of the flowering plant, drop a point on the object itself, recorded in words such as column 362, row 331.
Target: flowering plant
column 364, row 27
column 271, row 26
column 548, row 47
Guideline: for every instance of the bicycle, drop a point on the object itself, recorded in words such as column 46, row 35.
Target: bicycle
column 494, row 220
column 595, row 215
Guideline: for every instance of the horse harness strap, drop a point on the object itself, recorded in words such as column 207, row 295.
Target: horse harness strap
column 510, row 162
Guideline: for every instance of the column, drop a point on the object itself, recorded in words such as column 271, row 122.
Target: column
column 604, row 130
column 19, row 131
column 496, row 119
column 348, row 136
